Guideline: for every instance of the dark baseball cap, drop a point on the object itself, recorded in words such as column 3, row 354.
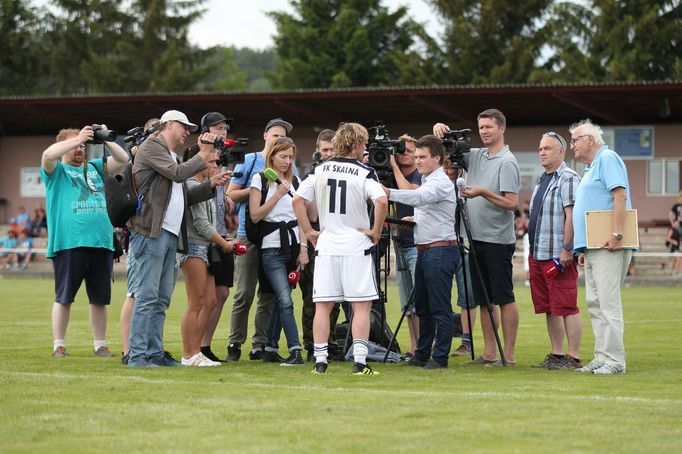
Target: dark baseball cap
column 279, row 122
column 213, row 118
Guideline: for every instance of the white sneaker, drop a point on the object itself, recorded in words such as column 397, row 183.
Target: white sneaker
column 609, row 369
column 210, row 361
column 197, row 360
column 590, row 368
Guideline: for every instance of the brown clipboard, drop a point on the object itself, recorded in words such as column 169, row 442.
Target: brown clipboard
column 599, row 228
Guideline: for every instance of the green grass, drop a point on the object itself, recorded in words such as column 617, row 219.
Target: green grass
column 88, row 404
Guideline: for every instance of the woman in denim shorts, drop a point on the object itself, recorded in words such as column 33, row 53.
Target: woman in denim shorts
column 200, row 286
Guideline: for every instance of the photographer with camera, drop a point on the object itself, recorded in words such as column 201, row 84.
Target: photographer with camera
column 150, row 126
column 434, row 205
column 407, row 176
column 492, row 193
column 246, row 266
column 79, row 234
column 159, row 229
column 216, row 123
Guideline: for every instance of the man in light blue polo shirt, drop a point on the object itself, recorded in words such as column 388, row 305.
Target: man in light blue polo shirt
column 604, row 187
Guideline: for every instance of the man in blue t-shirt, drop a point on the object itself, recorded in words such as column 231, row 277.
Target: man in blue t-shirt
column 246, row 266
column 79, row 234
column 604, row 186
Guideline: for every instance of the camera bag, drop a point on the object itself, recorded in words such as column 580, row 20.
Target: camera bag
column 121, row 195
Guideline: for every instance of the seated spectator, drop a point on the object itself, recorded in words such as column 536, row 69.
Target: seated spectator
column 9, row 241
column 23, row 258
column 37, row 226
column 21, row 219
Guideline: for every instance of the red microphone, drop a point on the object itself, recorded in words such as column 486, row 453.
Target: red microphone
column 239, row 249
column 294, row 276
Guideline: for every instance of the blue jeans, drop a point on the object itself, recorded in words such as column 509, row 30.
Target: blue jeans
column 432, row 293
column 154, row 267
column 275, row 267
column 410, row 256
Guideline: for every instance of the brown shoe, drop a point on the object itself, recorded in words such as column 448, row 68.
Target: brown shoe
column 462, row 350
column 568, row 362
column 480, row 361
column 104, row 351
column 60, row 352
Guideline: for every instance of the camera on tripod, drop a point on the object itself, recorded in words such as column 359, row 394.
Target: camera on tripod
column 456, row 143
column 138, row 135
column 101, row 135
column 227, row 155
column 380, row 147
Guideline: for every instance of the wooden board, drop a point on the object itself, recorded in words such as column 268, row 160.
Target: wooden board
column 599, row 227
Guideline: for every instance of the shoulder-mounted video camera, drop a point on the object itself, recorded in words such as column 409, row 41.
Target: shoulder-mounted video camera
column 456, row 143
column 138, row 135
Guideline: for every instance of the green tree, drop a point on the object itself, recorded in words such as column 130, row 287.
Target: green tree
column 489, row 41
column 22, row 61
column 341, row 43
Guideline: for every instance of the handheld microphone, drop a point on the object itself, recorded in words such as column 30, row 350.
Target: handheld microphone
column 238, row 248
column 271, row 175
column 294, row 276
column 317, row 156
column 461, row 184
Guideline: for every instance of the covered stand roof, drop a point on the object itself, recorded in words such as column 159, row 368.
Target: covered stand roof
column 523, row 104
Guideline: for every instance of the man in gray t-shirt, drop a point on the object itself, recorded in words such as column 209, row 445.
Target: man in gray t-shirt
column 492, row 193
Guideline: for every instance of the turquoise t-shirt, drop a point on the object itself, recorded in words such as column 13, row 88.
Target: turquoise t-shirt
column 76, row 209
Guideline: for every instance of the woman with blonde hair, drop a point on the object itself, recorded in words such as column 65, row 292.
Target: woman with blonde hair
column 281, row 244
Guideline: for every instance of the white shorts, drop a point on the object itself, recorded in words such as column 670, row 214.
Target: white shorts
column 344, row 278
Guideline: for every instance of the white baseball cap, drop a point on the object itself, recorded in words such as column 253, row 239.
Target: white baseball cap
column 176, row 115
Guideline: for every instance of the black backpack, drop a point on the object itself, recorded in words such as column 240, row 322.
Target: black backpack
column 122, row 196
column 253, row 229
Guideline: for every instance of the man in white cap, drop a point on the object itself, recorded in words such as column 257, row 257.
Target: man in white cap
column 158, row 229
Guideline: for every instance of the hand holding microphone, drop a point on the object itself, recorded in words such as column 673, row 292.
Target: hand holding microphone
column 238, row 248
column 461, row 186
column 294, row 276
column 271, row 175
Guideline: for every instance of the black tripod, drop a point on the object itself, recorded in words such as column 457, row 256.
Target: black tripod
column 404, row 269
column 460, row 214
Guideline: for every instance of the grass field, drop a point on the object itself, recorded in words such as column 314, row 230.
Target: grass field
column 89, row 404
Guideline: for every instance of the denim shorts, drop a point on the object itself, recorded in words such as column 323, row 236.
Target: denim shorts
column 193, row 250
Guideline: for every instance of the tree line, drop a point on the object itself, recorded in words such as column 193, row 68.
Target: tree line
column 98, row 46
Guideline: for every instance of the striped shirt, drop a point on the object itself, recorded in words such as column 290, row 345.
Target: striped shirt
column 549, row 230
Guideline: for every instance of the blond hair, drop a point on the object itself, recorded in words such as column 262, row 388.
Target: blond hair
column 346, row 136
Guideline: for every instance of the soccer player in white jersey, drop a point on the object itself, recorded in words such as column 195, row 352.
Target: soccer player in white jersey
column 344, row 269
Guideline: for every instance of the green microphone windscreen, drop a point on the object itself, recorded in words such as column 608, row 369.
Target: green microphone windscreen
column 270, row 174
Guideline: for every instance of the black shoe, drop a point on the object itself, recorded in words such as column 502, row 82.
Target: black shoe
column 206, row 351
column 256, row 355
column 414, row 361
column 269, row 357
column 433, row 364
column 294, row 359
column 363, row 369
column 124, row 358
column 168, row 360
column 320, row 368
column 234, row 352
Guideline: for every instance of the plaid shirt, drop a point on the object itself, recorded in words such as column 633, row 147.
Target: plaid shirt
column 549, row 231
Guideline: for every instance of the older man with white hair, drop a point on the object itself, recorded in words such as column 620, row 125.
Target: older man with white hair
column 604, row 187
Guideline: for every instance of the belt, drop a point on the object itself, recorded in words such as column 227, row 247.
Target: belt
column 423, row 247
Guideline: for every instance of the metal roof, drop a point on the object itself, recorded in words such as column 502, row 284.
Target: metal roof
column 523, row 104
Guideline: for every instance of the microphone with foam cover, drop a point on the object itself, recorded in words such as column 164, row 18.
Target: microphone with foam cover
column 271, row 175
column 461, row 184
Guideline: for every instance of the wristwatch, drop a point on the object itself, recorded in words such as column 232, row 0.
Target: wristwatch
column 567, row 246
column 617, row 236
